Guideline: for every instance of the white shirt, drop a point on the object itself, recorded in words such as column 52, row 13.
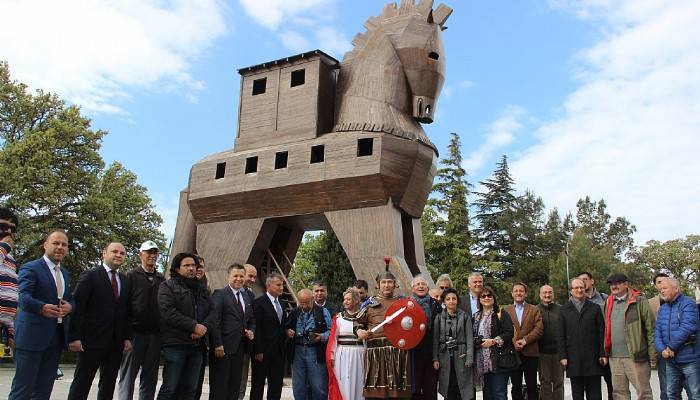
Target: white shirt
column 109, row 276
column 273, row 299
column 51, row 267
column 242, row 296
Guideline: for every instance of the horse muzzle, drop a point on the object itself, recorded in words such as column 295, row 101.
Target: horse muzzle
column 423, row 109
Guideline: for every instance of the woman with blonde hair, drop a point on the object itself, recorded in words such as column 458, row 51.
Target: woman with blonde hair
column 345, row 353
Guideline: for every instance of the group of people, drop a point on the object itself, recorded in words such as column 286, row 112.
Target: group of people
column 124, row 324
column 617, row 337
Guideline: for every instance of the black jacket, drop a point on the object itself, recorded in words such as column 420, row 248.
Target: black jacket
column 145, row 316
column 99, row 320
column 550, row 320
column 181, row 309
column 270, row 334
column 502, row 327
column 230, row 322
column 580, row 338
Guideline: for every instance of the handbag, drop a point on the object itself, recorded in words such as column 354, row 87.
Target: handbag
column 506, row 357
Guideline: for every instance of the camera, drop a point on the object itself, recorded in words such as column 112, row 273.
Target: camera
column 478, row 340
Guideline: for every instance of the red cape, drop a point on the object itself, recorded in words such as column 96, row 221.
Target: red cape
column 333, row 388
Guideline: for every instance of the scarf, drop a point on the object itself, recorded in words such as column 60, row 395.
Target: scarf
column 425, row 303
column 483, row 356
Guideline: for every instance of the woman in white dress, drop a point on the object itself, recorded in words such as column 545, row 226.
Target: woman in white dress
column 345, row 353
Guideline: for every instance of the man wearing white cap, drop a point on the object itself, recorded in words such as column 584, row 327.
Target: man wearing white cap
column 145, row 318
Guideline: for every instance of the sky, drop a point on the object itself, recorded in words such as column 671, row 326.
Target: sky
column 597, row 97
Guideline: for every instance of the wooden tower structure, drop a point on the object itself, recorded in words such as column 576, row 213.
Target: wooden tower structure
column 323, row 144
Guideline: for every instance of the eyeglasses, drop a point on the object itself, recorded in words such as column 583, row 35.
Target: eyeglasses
column 486, row 296
column 5, row 227
column 444, row 287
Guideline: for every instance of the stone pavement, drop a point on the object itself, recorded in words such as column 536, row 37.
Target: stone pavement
column 60, row 391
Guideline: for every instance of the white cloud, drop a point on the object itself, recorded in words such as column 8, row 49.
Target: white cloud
column 631, row 132
column 466, row 84
column 499, row 134
column 332, row 41
column 294, row 41
column 271, row 13
column 92, row 51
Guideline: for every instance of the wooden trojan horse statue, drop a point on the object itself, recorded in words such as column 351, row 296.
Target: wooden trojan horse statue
column 323, row 144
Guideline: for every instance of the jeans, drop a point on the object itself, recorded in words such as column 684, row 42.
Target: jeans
column 676, row 373
column 661, row 372
column 181, row 365
column 307, row 371
column 495, row 386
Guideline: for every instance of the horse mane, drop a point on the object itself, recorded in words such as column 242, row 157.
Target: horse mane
column 357, row 109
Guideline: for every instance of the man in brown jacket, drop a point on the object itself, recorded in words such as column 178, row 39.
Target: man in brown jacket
column 527, row 322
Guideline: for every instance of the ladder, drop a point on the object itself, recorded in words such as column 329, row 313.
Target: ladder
column 269, row 265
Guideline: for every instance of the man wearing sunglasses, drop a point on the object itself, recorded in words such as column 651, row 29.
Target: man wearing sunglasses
column 8, row 277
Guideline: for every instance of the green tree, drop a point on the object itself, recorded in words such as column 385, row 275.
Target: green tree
column 583, row 256
column 322, row 257
column 678, row 257
column 445, row 220
column 593, row 218
column 495, row 212
column 304, row 271
column 54, row 177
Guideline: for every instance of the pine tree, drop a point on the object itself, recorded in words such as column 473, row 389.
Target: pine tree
column 445, row 220
column 495, row 214
column 333, row 266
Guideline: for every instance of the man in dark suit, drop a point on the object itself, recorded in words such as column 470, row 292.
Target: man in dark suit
column 235, row 325
column 100, row 330
column 471, row 300
column 251, row 277
column 270, row 340
column 41, row 328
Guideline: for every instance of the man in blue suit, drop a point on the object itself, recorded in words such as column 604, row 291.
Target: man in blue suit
column 41, row 328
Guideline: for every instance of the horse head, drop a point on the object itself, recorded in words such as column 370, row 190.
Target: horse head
column 391, row 79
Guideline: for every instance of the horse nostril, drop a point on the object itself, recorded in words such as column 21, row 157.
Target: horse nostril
column 433, row 55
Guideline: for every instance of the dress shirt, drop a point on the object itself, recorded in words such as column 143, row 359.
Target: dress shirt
column 474, row 303
column 519, row 309
column 109, row 276
column 50, row 264
column 242, row 296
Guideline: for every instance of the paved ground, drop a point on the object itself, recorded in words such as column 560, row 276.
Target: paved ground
column 60, row 391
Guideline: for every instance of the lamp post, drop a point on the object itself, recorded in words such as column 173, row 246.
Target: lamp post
column 566, row 252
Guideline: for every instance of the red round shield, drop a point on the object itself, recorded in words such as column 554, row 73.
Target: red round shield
column 408, row 327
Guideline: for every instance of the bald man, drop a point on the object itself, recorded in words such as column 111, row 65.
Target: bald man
column 551, row 371
column 100, row 330
column 309, row 327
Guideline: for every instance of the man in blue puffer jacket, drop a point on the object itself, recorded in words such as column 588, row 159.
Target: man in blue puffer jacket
column 675, row 338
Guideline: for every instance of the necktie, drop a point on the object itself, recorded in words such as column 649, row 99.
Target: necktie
column 240, row 305
column 278, row 308
column 115, row 286
column 59, row 286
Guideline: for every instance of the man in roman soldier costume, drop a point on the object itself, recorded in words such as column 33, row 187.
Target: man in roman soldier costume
column 386, row 367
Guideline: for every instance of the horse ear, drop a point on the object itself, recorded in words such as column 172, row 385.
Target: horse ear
column 440, row 14
column 426, row 6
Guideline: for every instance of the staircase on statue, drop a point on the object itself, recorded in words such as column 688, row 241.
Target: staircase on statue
column 282, row 267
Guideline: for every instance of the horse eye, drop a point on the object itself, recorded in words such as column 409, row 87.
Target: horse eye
column 433, row 55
